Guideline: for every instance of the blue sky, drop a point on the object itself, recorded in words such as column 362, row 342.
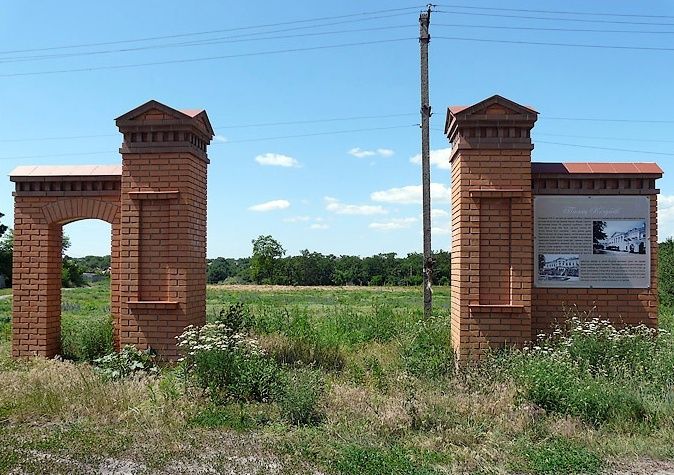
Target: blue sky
column 336, row 192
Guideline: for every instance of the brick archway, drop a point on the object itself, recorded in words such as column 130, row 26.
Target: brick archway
column 47, row 198
column 156, row 204
column 67, row 210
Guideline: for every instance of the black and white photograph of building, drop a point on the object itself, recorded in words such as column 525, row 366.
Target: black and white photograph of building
column 619, row 236
column 564, row 267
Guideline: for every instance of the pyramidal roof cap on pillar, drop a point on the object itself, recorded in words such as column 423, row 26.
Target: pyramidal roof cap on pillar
column 456, row 112
column 178, row 114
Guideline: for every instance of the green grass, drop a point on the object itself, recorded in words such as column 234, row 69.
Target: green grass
column 371, row 389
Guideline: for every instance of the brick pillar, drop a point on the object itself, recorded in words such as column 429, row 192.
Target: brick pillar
column 163, row 240
column 492, row 241
column 115, row 297
column 36, row 277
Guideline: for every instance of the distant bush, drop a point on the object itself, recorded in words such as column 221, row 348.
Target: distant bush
column 666, row 272
column 129, row 361
column 85, row 339
column 72, row 274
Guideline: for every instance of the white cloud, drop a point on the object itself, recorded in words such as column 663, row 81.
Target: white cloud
column 412, row 194
column 319, row 226
column 396, row 223
column 437, row 213
column 665, row 216
column 439, row 158
column 296, row 219
column 220, row 138
column 334, row 205
column 270, row 206
column 360, row 153
column 381, row 152
column 441, row 231
column 276, row 160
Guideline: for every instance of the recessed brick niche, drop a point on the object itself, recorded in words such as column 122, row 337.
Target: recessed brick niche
column 494, row 301
column 156, row 204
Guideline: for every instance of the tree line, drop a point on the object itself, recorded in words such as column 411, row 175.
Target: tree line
column 269, row 265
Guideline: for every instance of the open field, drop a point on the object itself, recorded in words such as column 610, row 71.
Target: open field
column 375, row 392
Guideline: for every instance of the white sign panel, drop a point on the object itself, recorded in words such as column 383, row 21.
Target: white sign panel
column 592, row 241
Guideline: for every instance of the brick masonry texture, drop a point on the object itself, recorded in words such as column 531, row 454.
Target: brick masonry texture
column 156, row 205
column 493, row 301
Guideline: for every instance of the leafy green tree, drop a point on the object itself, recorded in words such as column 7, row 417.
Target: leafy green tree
column 94, row 264
column 266, row 252
column 218, row 270
column 6, row 252
column 65, row 243
column 666, row 272
column 349, row 270
column 71, row 273
column 443, row 267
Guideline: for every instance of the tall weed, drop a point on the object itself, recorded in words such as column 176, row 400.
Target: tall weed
column 427, row 351
column 598, row 372
column 85, row 339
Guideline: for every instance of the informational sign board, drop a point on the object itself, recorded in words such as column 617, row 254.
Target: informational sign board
column 592, row 241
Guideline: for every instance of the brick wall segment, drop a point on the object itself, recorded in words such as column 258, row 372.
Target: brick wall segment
column 156, row 204
column 551, row 306
column 493, row 182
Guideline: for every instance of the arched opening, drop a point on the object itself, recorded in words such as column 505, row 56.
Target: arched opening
column 86, row 328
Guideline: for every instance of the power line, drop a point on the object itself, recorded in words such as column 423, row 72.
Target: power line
column 209, row 58
column 530, row 17
column 297, row 122
column 66, row 137
column 648, row 152
column 183, row 35
column 335, row 132
column 228, row 127
column 598, row 119
column 77, row 154
column 622, row 139
column 315, row 134
column 533, row 28
column 259, row 139
column 212, row 41
column 557, row 12
column 547, row 43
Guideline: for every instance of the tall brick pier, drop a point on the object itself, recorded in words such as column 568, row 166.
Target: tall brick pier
column 156, row 204
column 504, row 294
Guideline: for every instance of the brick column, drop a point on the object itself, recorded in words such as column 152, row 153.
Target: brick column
column 36, row 276
column 492, row 241
column 163, row 240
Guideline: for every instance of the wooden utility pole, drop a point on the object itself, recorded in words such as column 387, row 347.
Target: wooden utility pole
column 424, row 39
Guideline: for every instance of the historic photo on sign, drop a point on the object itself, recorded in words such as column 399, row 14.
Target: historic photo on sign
column 559, row 267
column 616, row 236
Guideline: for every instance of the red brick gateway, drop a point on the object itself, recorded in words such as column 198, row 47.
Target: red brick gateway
column 156, row 204
column 527, row 238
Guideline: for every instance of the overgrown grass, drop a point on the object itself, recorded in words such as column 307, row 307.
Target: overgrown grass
column 362, row 384
column 599, row 373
